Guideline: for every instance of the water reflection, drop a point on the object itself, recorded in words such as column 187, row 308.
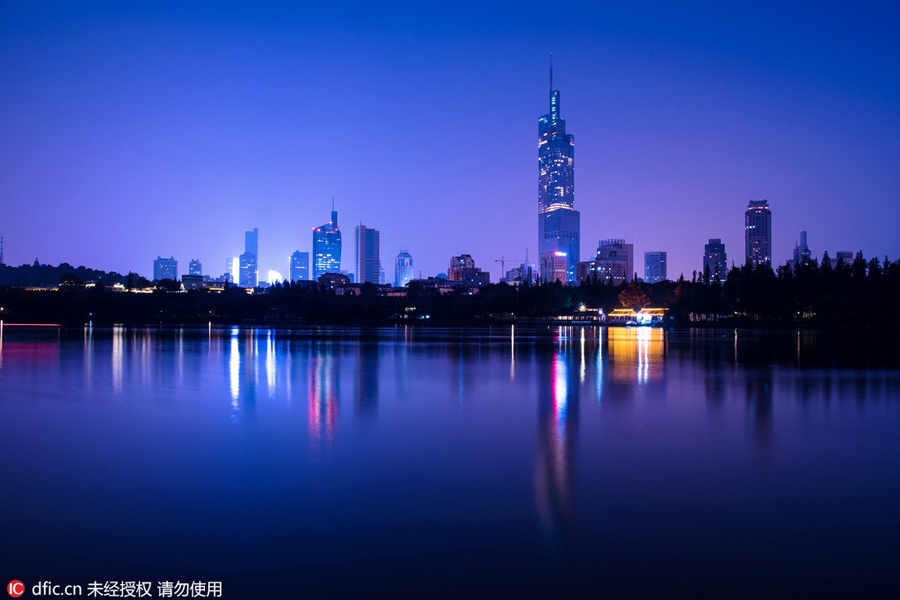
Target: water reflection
column 554, row 464
column 759, row 407
column 323, row 395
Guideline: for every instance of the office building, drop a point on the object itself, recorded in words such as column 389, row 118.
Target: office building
column 716, row 261
column 249, row 260
column 403, row 269
column 553, row 267
column 165, row 268
column 654, row 267
column 299, row 266
column 462, row 268
column 559, row 224
column 614, row 263
column 802, row 253
column 326, row 248
column 368, row 255
column 758, row 233
column 195, row 268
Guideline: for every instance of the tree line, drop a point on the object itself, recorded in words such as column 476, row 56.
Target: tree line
column 810, row 294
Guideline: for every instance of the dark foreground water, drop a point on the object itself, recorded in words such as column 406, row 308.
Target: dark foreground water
column 570, row 462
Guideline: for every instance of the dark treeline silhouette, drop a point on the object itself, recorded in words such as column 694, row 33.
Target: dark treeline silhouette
column 814, row 295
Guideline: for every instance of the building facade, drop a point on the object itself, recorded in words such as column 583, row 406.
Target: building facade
column 614, row 263
column 326, row 248
column 462, row 268
column 559, row 224
column 299, row 266
column 249, row 260
column 403, row 269
column 368, row 255
column 715, row 261
column 165, row 268
column 802, row 253
column 655, row 269
column 758, row 233
column 554, row 267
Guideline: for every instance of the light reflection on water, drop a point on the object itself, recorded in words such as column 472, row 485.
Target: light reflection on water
column 478, row 436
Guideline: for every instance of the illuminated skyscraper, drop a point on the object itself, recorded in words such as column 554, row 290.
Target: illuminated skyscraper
column 299, row 266
column 249, row 260
column 715, row 259
column 559, row 224
column 654, row 267
column 403, row 269
column 368, row 255
column 195, row 268
column 326, row 247
column 758, row 233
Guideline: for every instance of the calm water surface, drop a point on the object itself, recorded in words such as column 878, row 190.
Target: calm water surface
column 416, row 463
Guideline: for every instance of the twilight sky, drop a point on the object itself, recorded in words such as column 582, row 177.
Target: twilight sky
column 130, row 130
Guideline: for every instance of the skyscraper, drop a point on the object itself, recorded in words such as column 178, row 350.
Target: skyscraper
column 559, row 224
column 299, row 266
column 195, row 268
column 368, row 255
column 165, row 268
column 403, row 269
column 758, row 233
column 249, row 260
column 654, row 267
column 802, row 253
column 715, row 260
column 326, row 247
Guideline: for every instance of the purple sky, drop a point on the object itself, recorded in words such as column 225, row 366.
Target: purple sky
column 130, row 130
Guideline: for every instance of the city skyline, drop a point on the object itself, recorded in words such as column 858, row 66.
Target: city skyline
column 683, row 116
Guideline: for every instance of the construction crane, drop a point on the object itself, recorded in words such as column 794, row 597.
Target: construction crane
column 502, row 260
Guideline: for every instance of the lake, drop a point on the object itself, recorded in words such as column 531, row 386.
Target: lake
column 404, row 462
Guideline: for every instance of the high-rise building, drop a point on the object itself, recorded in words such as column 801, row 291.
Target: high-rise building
column 232, row 268
column 249, row 260
column 758, row 233
column 403, row 269
column 553, row 267
column 802, row 253
column 299, row 266
column 614, row 262
column 559, row 224
column 194, row 267
column 248, row 270
column 462, row 268
column 654, row 267
column 165, row 268
column 326, row 247
column 368, row 255
column 715, row 259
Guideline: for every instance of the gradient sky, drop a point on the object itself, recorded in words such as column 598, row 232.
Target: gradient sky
column 130, row 130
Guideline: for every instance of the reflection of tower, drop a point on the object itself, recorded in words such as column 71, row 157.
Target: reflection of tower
column 367, row 356
column 323, row 396
column 759, row 405
column 557, row 428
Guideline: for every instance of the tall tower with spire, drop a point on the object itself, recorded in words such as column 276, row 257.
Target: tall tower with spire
column 559, row 224
column 327, row 246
